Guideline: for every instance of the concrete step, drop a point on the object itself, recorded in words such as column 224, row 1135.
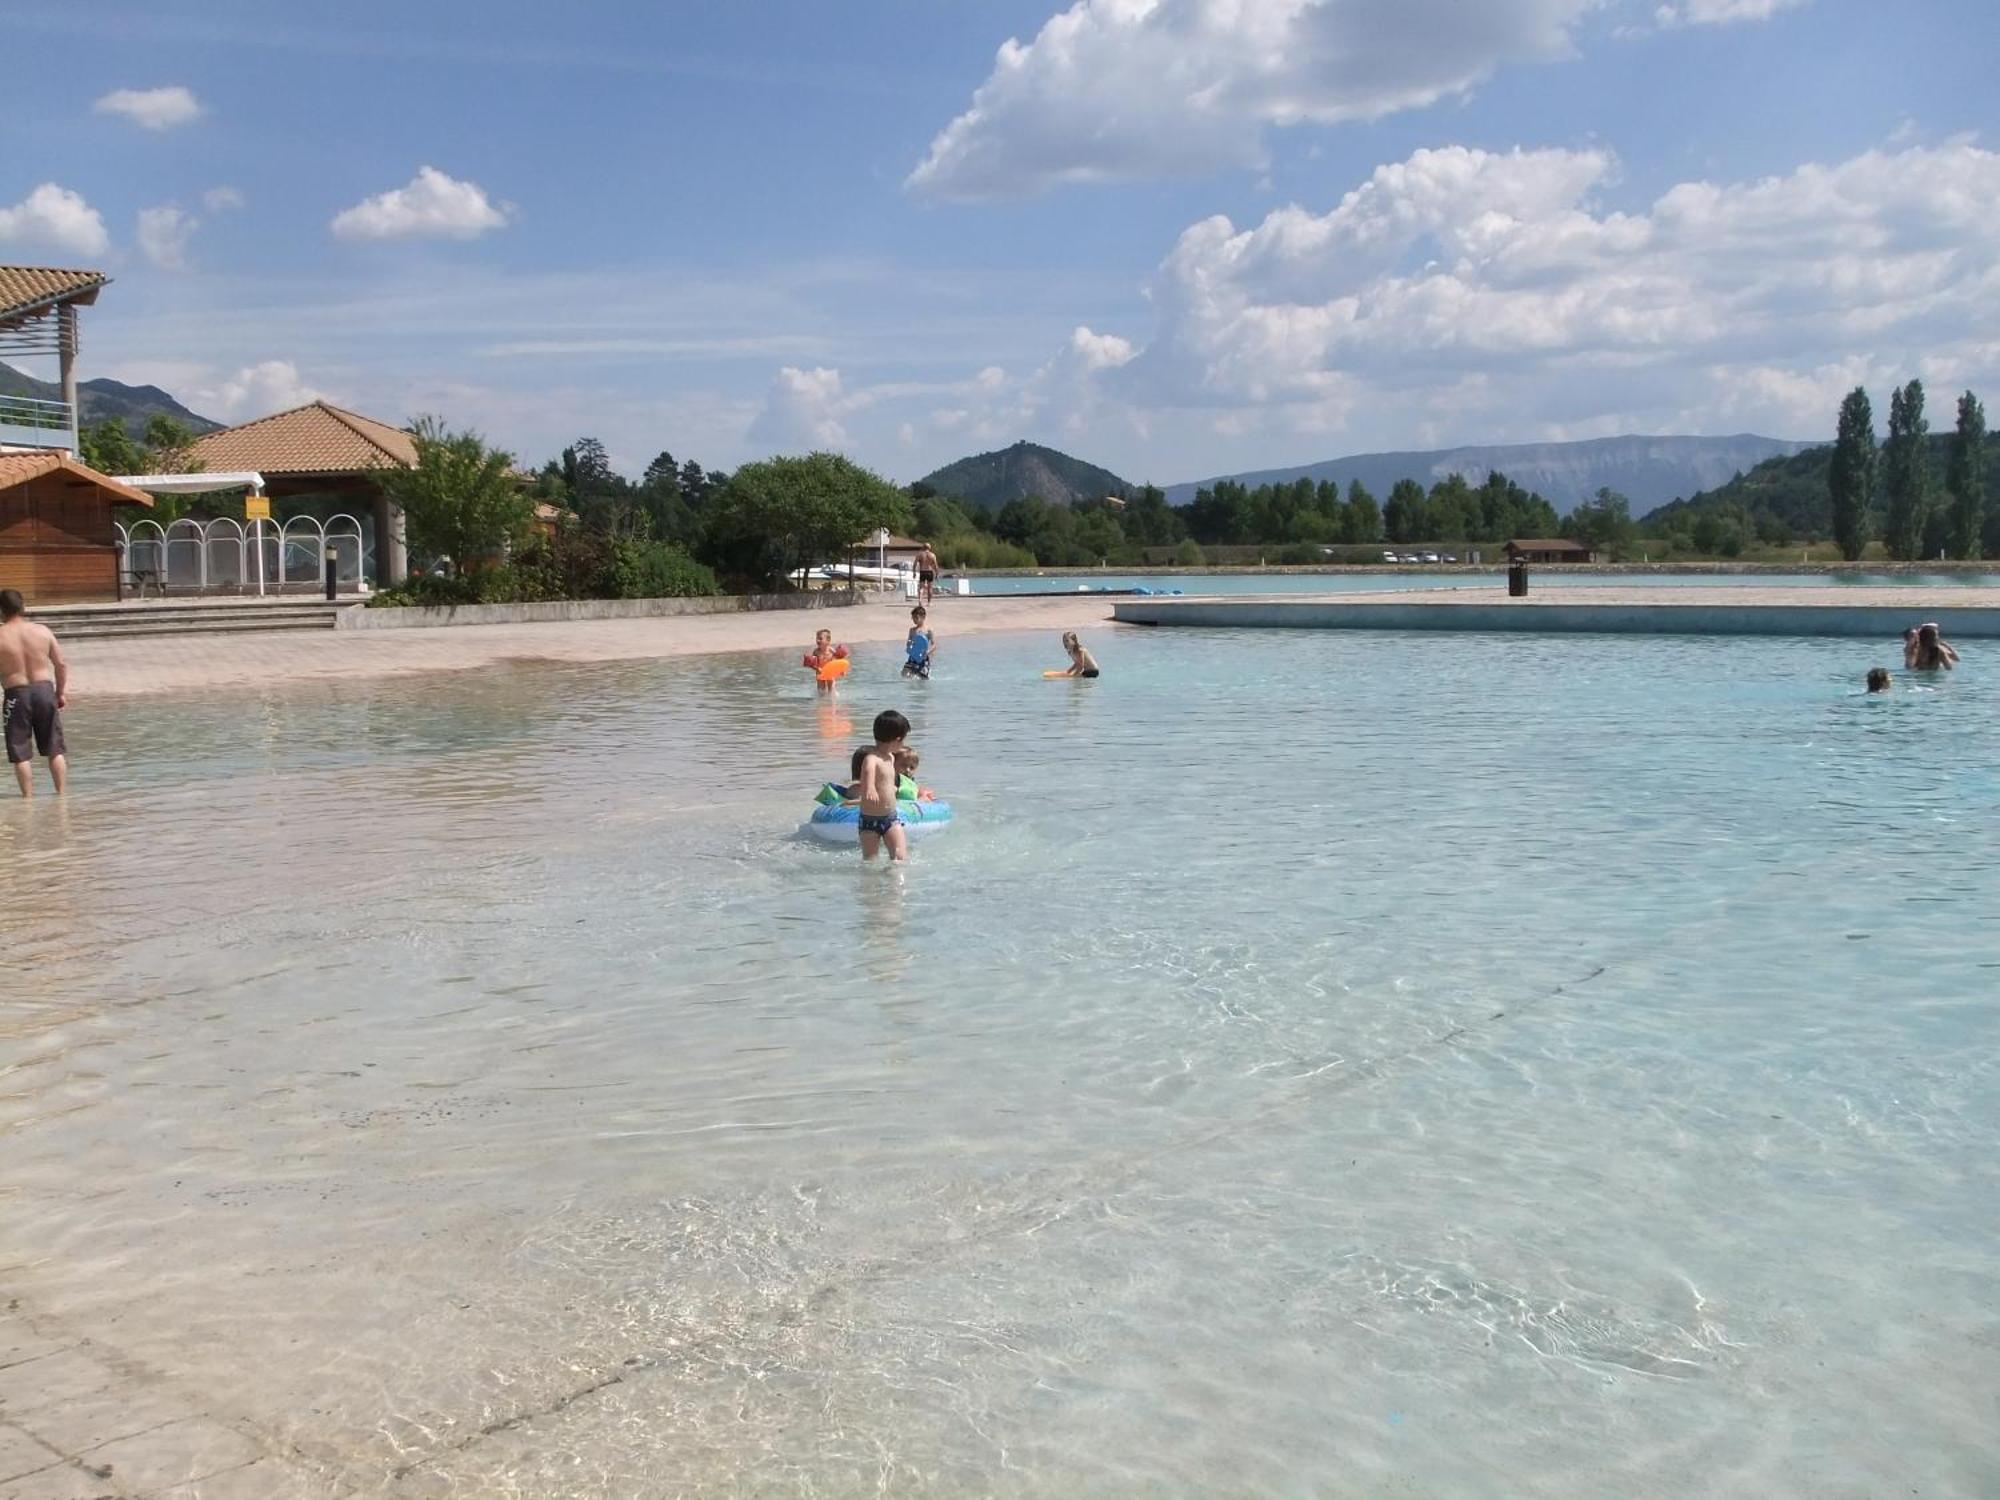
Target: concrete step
column 179, row 623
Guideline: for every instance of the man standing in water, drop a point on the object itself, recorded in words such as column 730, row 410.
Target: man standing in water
column 36, row 679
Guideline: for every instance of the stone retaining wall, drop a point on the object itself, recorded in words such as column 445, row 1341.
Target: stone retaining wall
column 415, row 617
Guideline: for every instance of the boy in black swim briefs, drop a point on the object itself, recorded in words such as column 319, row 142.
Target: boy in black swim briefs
column 880, row 822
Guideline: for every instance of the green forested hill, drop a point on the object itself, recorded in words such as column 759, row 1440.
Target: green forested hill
column 990, row 480
column 131, row 406
column 1785, row 500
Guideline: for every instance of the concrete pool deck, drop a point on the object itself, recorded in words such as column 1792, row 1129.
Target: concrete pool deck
column 1880, row 613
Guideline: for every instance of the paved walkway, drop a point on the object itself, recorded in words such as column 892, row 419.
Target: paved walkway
column 78, row 1423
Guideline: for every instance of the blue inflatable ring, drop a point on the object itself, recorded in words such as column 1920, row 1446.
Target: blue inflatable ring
column 841, row 823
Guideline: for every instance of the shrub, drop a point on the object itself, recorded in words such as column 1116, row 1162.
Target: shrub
column 1302, row 552
column 657, row 570
column 968, row 550
column 427, row 590
column 1189, row 555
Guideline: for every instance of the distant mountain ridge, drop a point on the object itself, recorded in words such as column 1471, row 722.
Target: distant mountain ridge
column 1648, row 471
column 131, row 406
column 990, row 480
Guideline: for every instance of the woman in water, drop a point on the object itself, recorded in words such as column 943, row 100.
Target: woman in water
column 1924, row 650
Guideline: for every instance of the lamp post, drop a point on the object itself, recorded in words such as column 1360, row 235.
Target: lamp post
column 331, row 564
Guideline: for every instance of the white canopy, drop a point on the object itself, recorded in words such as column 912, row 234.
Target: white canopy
column 194, row 484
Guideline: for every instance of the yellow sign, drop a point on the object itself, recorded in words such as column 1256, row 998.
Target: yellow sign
column 256, row 507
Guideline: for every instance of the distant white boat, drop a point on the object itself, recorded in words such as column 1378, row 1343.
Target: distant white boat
column 860, row 573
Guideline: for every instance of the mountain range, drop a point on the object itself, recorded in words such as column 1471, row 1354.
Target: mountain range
column 131, row 406
column 1648, row 471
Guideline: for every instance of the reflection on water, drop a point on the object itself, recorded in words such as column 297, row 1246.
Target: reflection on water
column 1313, row 1063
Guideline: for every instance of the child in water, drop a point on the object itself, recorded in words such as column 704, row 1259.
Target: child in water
column 919, row 644
column 1878, row 679
column 907, row 760
column 1924, row 650
column 1081, row 662
column 822, row 656
column 881, row 823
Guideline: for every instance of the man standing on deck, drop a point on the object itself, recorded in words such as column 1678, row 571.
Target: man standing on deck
column 36, row 679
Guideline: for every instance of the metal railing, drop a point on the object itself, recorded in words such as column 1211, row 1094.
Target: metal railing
column 221, row 555
column 36, row 423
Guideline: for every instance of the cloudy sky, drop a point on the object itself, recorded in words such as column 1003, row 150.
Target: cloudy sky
column 1177, row 237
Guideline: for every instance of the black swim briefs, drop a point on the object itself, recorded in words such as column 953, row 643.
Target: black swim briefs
column 32, row 722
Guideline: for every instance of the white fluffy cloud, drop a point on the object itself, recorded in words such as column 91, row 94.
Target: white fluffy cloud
column 54, row 218
column 432, row 206
column 164, row 232
column 154, row 109
column 1486, row 280
column 221, row 199
column 255, row 391
column 1139, row 88
column 803, row 410
column 1719, row 12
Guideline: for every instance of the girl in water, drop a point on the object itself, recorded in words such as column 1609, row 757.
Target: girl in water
column 1081, row 662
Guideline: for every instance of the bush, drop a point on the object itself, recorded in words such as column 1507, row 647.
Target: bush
column 427, row 591
column 1189, row 555
column 657, row 570
column 973, row 551
column 1302, row 552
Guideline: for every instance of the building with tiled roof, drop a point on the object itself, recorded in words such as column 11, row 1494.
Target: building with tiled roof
column 38, row 317
column 320, row 459
column 58, row 544
column 317, row 439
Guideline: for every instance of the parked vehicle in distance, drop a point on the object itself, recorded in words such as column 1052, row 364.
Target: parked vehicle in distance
column 1451, row 557
column 1390, row 557
column 1430, row 557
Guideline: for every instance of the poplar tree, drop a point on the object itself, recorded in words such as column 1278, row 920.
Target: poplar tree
column 1965, row 478
column 1851, row 479
column 1906, row 473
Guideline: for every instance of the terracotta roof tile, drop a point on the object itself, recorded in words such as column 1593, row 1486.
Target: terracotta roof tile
column 29, row 289
column 19, row 468
column 317, row 438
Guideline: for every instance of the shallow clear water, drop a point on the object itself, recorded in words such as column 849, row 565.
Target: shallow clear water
column 1315, row 1063
column 1441, row 578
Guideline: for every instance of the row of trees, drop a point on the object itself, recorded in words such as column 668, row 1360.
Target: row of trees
column 1913, row 524
column 580, row 529
column 1293, row 519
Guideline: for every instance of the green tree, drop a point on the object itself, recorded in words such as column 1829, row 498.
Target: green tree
column 1403, row 516
column 779, row 515
column 1851, row 479
column 109, row 449
column 1906, row 473
column 1364, row 516
column 1965, row 478
column 462, row 503
column 1603, row 522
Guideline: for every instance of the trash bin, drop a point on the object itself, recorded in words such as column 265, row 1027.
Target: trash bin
column 1517, row 578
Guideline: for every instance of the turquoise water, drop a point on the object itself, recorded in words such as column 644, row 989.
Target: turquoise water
column 1444, row 578
column 1315, row 1063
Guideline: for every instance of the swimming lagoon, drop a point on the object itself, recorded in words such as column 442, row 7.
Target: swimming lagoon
column 1352, row 581
column 1314, row 1064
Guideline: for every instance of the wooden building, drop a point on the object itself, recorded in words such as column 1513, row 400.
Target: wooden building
column 57, row 545
column 319, row 455
column 1548, row 550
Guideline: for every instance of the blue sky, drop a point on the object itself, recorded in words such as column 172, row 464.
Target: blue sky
column 1177, row 237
